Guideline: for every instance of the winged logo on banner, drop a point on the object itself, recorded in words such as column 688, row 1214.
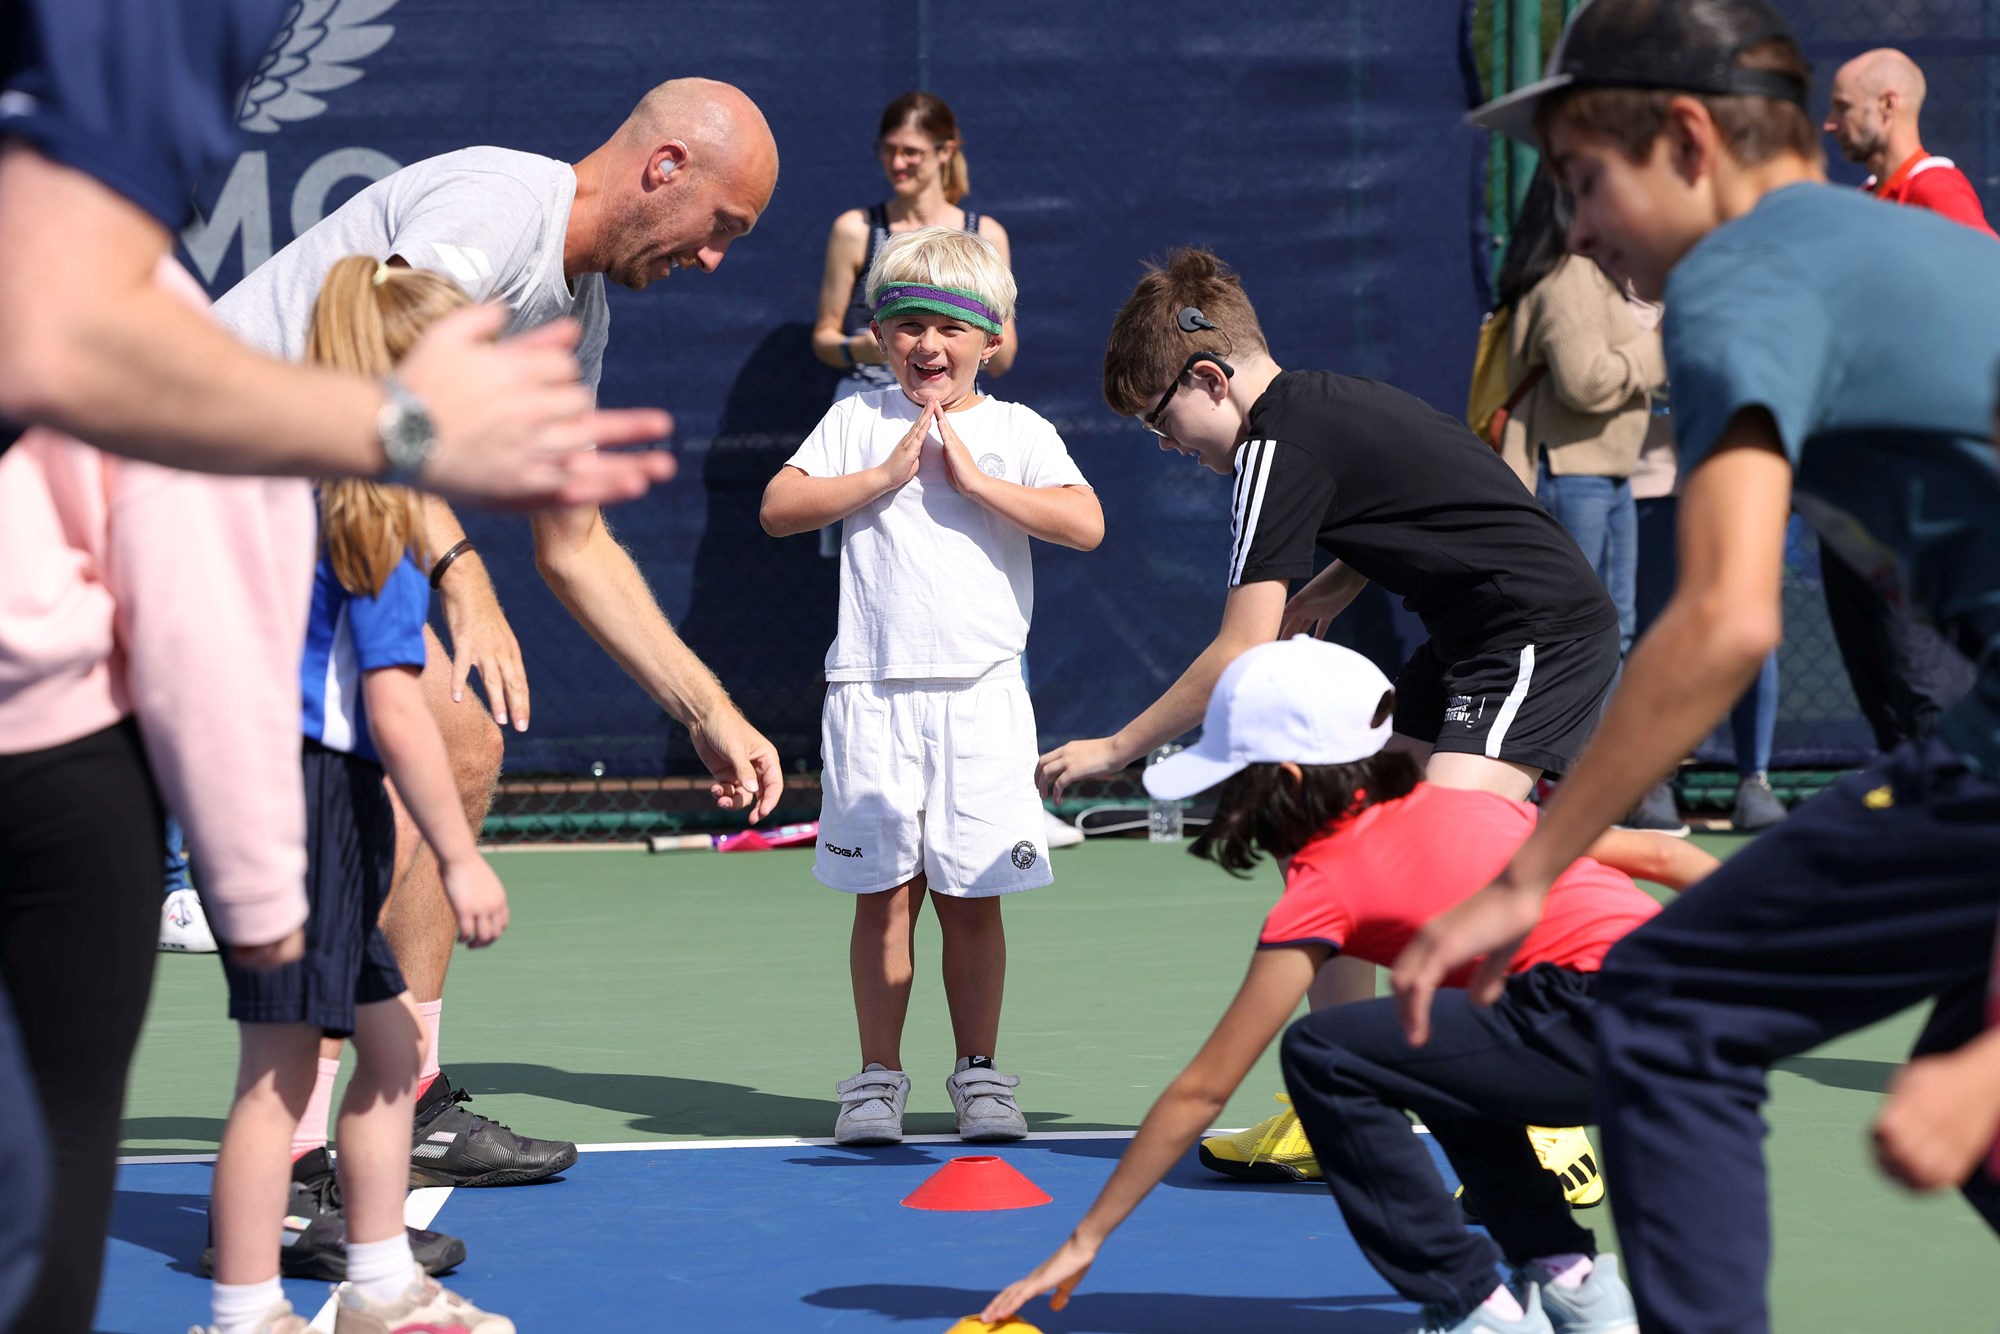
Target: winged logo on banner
column 318, row 49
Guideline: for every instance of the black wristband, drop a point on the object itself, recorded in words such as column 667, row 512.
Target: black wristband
column 847, row 349
column 457, row 549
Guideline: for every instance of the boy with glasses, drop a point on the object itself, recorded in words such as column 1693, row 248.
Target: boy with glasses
column 1523, row 640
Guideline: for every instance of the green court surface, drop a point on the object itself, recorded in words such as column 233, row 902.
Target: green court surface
column 698, row 995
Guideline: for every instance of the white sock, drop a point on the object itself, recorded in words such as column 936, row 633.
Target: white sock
column 381, row 1270
column 1502, row 1303
column 238, row 1307
column 1567, row 1271
column 310, row 1133
column 432, row 1013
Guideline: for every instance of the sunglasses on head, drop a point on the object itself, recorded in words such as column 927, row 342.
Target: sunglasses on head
column 1151, row 421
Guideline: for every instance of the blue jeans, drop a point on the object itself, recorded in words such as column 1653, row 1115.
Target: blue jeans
column 1754, row 720
column 177, row 858
column 1598, row 513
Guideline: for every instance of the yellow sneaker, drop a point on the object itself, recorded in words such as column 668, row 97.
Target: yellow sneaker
column 1567, row 1153
column 1275, row 1149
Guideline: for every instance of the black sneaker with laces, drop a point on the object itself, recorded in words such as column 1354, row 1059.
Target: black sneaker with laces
column 315, row 1239
column 455, row 1147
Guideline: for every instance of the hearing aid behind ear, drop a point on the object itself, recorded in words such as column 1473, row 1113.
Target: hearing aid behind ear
column 1191, row 319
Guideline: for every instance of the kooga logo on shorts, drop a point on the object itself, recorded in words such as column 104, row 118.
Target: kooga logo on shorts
column 841, row 852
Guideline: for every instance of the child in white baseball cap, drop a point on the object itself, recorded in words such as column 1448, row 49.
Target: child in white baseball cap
column 1297, row 734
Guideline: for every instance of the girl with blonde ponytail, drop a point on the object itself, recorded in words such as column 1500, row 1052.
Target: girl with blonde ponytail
column 364, row 714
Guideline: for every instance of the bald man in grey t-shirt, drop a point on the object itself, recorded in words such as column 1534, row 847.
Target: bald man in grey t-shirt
column 688, row 172
column 492, row 218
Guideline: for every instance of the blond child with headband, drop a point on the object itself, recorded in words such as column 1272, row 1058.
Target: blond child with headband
column 364, row 714
column 928, row 733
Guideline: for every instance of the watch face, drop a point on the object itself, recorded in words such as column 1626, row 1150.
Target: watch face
column 407, row 437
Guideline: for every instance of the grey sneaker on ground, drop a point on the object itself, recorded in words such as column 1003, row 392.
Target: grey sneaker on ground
column 1602, row 1305
column 1757, row 807
column 871, row 1106
column 1435, row 1319
column 983, row 1099
column 1657, row 814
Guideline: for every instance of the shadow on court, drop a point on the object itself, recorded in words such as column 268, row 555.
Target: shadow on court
column 1188, row 1173
column 669, row 1105
column 175, row 1226
column 1132, row 1312
column 1839, row 1072
column 169, row 1134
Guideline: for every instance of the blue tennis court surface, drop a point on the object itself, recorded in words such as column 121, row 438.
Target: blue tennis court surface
column 810, row 1237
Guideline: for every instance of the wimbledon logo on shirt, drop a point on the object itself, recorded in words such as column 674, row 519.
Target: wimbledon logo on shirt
column 319, row 49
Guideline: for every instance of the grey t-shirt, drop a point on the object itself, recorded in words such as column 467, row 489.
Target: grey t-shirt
column 492, row 218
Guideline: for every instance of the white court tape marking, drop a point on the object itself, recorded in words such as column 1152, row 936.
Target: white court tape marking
column 773, row 1142
column 419, row 1208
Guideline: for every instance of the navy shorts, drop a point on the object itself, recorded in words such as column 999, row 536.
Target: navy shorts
column 350, row 860
column 1535, row 704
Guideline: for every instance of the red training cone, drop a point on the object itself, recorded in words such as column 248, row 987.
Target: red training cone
column 978, row 1182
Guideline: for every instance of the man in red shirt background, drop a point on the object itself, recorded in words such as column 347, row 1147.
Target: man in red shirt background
column 1877, row 99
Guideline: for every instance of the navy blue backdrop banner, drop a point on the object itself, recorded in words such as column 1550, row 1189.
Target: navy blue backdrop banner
column 1315, row 144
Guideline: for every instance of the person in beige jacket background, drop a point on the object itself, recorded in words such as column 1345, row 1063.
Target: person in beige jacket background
column 1574, row 436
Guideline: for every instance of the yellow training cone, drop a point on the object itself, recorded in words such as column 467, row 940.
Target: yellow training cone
column 1013, row 1324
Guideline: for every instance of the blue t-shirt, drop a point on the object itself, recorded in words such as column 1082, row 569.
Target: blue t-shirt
column 140, row 94
column 348, row 635
column 1871, row 334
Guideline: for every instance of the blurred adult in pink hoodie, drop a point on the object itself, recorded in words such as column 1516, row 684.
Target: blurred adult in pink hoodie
column 150, row 623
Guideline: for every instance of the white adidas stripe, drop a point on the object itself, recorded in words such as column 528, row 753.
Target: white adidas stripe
column 1253, row 474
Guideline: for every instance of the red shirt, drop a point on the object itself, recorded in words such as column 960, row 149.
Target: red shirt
column 1367, row 886
column 1933, row 183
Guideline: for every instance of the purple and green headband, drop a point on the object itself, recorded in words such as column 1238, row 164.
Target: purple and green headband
column 893, row 299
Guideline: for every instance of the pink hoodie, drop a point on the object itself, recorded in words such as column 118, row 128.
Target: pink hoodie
column 127, row 588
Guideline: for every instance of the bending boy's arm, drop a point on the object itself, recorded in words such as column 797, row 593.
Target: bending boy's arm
column 1069, row 516
column 1643, row 855
column 1249, row 618
column 1277, row 980
column 1692, row 666
column 595, row 578
column 796, row 502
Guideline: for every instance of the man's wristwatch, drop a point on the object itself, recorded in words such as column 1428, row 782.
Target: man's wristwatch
column 408, row 439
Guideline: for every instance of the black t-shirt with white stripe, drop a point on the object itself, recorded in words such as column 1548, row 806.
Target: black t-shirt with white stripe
column 1413, row 500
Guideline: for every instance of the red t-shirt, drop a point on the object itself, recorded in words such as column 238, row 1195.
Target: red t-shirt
column 1934, row 183
column 1367, row 886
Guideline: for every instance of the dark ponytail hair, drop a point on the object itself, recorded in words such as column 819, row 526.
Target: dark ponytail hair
column 1540, row 241
column 1265, row 810
column 933, row 117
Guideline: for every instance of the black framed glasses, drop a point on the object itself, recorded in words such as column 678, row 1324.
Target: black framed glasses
column 1151, row 421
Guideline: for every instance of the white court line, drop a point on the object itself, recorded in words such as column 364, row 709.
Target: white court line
column 419, row 1209
column 775, row 1142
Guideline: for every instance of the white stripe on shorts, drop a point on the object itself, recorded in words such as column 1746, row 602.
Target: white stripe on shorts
column 1505, row 718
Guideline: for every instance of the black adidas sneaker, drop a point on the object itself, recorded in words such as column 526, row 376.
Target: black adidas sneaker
column 315, row 1239
column 455, row 1147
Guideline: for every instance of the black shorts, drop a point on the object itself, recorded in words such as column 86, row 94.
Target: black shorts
column 1535, row 705
column 350, row 859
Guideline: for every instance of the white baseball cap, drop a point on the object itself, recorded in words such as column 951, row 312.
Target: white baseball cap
column 1299, row 700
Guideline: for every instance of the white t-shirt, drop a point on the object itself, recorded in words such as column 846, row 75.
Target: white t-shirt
column 492, row 218
column 933, row 586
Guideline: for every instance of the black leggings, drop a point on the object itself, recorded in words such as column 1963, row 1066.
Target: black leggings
column 81, row 881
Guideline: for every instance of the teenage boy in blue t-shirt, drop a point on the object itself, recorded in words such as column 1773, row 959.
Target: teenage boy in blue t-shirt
column 1682, row 132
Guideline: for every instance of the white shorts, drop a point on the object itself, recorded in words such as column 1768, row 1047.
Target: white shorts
column 931, row 776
